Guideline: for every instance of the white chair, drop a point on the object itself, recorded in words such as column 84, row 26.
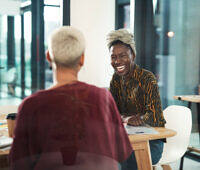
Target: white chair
column 5, row 109
column 179, row 119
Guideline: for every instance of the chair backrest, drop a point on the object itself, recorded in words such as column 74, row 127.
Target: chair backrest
column 179, row 119
column 5, row 109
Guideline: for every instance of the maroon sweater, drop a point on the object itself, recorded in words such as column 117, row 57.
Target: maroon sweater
column 69, row 126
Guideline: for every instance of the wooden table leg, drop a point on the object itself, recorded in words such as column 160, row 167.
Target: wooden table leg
column 143, row 155
column 198, row 118
column 166, row 167
column 4, row 163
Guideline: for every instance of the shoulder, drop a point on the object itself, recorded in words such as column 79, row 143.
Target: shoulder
column 99, row 94
column 35, row 96
column 31, row 101
column 98, row 91
column 147, row 76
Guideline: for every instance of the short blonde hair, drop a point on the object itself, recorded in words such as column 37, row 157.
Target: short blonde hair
column 121, row 35
column 66, row 45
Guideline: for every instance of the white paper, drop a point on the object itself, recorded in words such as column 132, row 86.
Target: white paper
column 140, row 130
column 5, row 141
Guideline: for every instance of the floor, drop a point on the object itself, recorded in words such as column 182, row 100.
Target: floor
column 188, row 165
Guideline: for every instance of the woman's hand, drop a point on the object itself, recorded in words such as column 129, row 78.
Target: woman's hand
column 125, row 118
column 135, row 120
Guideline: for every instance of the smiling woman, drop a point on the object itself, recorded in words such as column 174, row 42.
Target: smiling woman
column 135, row 90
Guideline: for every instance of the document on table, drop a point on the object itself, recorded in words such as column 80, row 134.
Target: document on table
column 140, row 130
column 5, row 141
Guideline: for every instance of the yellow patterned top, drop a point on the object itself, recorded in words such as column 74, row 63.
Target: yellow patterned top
column 139, row 94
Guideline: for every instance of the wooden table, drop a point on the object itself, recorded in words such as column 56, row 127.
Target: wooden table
column 140, row 144
column 188, row 98
column 191, row 99
column 4, row 161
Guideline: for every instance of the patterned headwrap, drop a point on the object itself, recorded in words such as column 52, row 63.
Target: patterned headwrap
column 122, row 35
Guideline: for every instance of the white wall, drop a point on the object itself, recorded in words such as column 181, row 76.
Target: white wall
column 95, row 18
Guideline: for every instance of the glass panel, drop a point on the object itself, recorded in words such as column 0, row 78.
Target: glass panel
column 3, row 40
column 25, row 3
column 3, row 54
column 27, row 41
column 126, row 16
column 178, row 48
column 178, row 52
column 17, row 29
column 10, row 78
column 25, row 0
column 51, row 21
column 50, row 2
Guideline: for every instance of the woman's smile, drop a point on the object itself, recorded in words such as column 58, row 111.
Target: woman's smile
column 120, row 68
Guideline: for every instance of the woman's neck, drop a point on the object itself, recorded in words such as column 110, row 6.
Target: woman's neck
column 129, row 75
column 64, row 76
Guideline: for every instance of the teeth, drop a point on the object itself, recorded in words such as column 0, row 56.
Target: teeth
column 120, row 68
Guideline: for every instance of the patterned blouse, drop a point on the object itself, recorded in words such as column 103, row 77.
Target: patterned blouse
column 138, row 95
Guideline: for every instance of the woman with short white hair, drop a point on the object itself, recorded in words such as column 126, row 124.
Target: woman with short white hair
column 72, row 125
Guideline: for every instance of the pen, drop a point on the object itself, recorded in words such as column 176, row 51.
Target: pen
column 138, row 132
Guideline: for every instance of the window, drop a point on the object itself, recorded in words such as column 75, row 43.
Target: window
column 51, row 20
column 50, row 2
